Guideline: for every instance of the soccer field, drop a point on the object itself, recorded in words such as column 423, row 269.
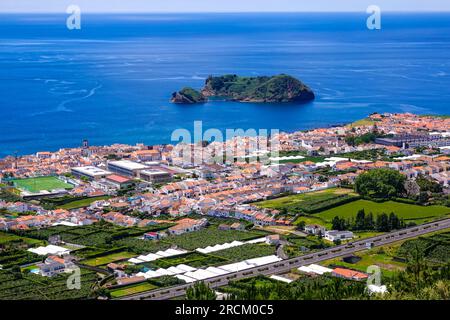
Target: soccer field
column 41, row 183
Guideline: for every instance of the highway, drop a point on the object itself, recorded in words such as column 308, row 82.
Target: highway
column 288, row 264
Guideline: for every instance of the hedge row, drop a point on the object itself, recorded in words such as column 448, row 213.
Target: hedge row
column 331, row 203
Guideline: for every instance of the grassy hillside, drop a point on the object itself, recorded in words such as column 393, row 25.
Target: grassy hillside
column 409, row 212
column 280, row 88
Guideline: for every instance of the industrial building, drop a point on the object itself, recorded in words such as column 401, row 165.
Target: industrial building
column 156, row 176
column 126, row 168
column 90, row 172
column 413, row 141
column 119, row 181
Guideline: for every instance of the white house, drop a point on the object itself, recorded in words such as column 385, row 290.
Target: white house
column 333, row 235
column 52, row 265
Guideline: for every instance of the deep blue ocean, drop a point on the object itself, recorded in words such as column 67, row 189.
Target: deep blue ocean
column 111, row 81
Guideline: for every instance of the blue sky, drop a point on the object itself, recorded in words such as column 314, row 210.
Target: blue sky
column 35, row 6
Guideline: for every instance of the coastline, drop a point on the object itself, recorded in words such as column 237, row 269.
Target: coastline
column 289, row 132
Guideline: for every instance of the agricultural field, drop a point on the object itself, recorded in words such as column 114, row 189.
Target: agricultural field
column 102, row 235
column 282, row 230
column 246, row 251
column 313, row 219
column 6, row 238
column 220, row 220
column 41, row 183
column 113, row 257
column 384, row 257
column 434, row 248
column 299, row 153
column 17, row 257
column 81, row 203
column 28, row 286
column 140, row 246
column 132, row 289
column 302, row 245
column 13, row 250
column 314, row 159
column 93, row 252
column 193, row 259
column 310, row 202
column 408, row 212
column 211, row 236
column 366, row 234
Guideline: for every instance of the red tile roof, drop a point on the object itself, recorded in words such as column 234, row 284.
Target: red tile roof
column 349, row 274
column 117, row 178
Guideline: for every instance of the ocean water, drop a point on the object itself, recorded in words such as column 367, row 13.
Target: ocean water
column 111, row 81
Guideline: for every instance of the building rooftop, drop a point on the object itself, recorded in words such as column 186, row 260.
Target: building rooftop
column 153, row 172
column 349, row 274
column 91, row 171
column 128, row 165
column 118, row 179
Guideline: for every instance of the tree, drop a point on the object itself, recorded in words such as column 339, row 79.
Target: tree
column 101, row 292
column 429, row 185
column 380, row 183
column 17, row 272
column 301, row 225
column 339, row 223
column 423, row 197
column 416, row 265
column 360, row 221
column 394, row 222
column 354, row 140
column 382, row 223
column 200, row 291
column 368, row 222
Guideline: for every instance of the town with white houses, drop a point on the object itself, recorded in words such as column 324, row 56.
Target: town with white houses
column 154, row 205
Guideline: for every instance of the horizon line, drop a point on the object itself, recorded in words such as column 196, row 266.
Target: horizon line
column 223, row 12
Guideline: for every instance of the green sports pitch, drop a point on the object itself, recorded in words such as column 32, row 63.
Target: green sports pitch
column 38, row 184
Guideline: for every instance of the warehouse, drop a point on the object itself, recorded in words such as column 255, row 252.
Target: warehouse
column 126, row 168
column 156, row 176
column 90, row 172
column 119, row 181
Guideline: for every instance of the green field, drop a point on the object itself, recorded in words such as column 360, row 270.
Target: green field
column 211, row 236
column 381, row 257
column 313, row 219
column 35, row 287
column 409, row 212
column 434, row 248
column 193, row 259
column 362, row 122
column 82, row 203
column 132, row 289
column 9, row 237
column 41, row 183
column 310, row 201
column 246, row 251
column 113, row 257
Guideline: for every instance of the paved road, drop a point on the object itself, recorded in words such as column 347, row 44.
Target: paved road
column 288, row 264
